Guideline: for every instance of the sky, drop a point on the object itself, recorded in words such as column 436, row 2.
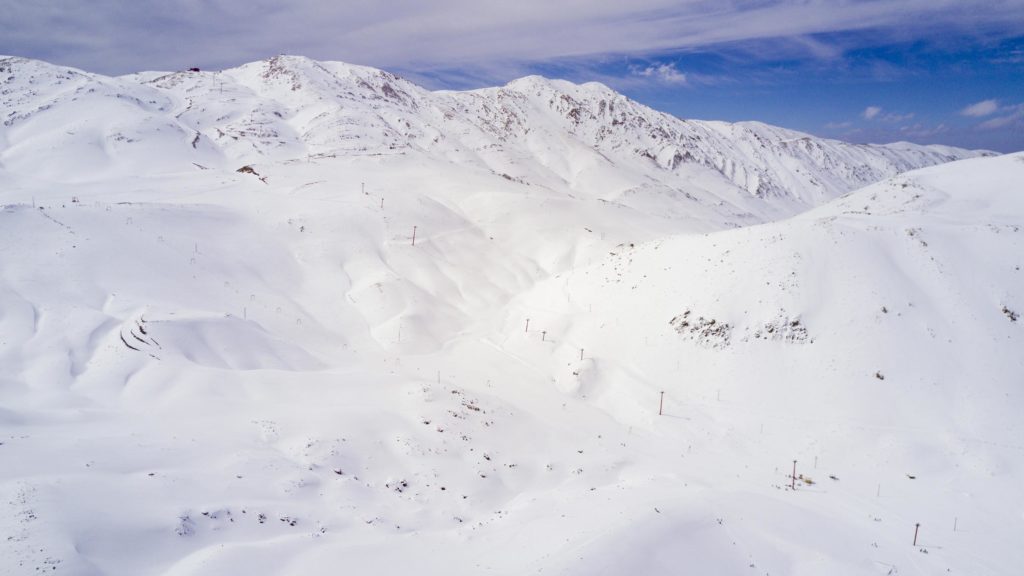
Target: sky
column 926, row 71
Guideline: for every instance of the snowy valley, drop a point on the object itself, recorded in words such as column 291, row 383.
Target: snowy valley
column 304, row 317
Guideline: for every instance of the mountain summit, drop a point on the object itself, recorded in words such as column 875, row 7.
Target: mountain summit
column 533, row 130
column 302, row 318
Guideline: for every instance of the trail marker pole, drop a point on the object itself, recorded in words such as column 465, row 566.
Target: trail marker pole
column 581, row 357
column 661, row 404
column 543, row 335
column 527, row 325
column 381, row 202
column 792, row 479
column 916, row 528
column 413, row 235
column 954, row 523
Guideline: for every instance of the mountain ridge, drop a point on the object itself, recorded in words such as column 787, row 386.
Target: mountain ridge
column 246, row 328
column 289, row 107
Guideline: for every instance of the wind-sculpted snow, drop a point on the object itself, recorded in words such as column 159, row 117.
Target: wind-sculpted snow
column 308, row 318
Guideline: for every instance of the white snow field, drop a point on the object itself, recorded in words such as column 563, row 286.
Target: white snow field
column 207, row 371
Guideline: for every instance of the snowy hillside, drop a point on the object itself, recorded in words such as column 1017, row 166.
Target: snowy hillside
column 584, row 138
column 429, row 331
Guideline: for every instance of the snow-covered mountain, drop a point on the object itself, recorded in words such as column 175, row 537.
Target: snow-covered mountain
column 533, row 130
column 212, row 371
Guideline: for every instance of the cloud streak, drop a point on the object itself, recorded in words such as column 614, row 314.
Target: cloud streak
column 980, row 109
column 875, row 113
column 1009, row 116
column 664, row 73
column 112, row 36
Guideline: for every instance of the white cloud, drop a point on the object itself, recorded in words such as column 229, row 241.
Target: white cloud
column 923, row 131
column 897, row 118
column 115, row 36
column 1012, row 115
column 998, row 122
column 871, row 112
column 983, row 108
column 666, row 73
column 875, row 113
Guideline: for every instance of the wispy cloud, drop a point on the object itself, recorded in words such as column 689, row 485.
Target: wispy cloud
column 1010, row 116
column 666, row 73
column 980, row 109
column 897, row 118
column 114, row 36
column 1014, row 56
column 921, row 130
column 875, row 113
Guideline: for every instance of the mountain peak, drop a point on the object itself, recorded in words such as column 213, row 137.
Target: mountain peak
column 290, row 106
column 536, row 83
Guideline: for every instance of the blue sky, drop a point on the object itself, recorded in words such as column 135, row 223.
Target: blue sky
column 929, row 71
column 959, row 92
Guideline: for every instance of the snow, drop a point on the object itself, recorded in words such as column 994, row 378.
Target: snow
column 207, row 371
